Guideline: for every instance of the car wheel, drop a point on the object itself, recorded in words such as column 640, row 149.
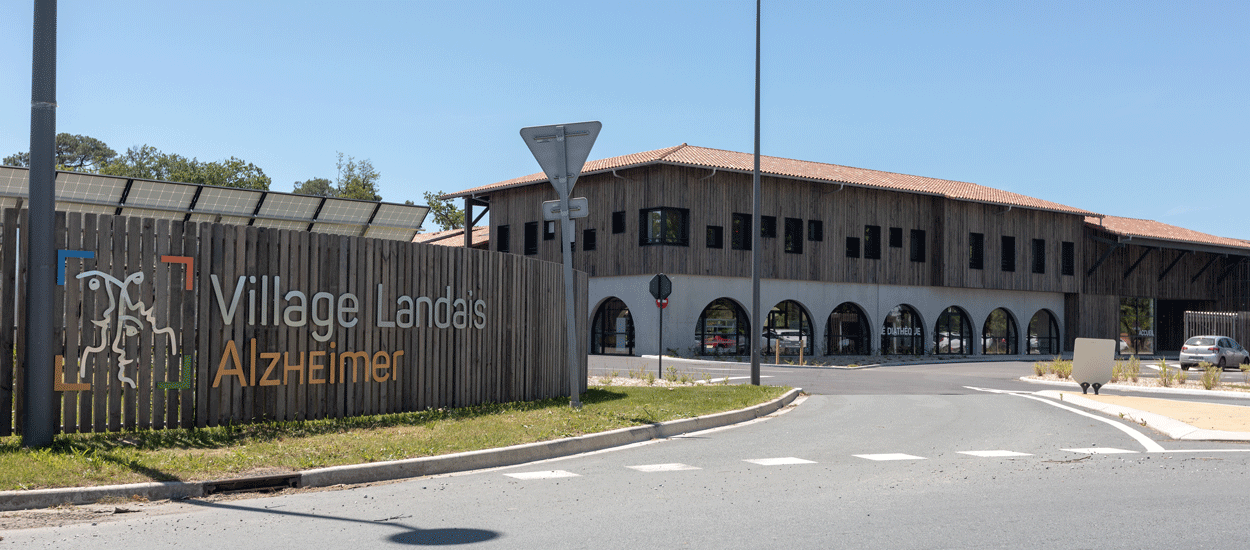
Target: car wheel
column 1184, row 367
column 1221, row 365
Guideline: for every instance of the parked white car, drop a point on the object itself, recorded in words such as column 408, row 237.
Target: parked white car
column 1221, row 351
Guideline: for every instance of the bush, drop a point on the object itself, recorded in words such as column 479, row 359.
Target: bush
column 1062, row 369
column 1039, row 369
column 1166, row 374
column 1117, row 372
column 1132, row 369
column 1211, row 375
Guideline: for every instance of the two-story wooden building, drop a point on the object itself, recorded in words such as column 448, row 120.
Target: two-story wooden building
column 859, row 261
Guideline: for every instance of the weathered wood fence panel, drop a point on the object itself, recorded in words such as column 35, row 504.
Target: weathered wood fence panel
column 1232, row 324
column 169, row 324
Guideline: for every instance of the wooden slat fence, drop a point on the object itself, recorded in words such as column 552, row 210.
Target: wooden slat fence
column 170, row 324
column 1235, row 324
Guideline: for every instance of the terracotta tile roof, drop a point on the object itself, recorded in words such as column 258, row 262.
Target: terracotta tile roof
column 702, row 157
column 1150, row 229
column 454, row 237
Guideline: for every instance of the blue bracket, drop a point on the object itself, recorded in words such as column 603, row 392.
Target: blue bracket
column 61, row 255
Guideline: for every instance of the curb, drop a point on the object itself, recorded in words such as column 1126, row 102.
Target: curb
column 1173, row 428
column 399, row 469
column 1175, row 391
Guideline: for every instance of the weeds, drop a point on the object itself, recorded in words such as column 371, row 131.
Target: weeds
column 1061, row 368
column 1245, row 372
column 670, row 374
column 1211, row 375
column 1039, row 368
column 1132, row 369
column 1166, row 374
column 1117, row 372
column 650, row 378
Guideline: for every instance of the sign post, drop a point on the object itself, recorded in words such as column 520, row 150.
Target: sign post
column 561, row 150
column 661, row 287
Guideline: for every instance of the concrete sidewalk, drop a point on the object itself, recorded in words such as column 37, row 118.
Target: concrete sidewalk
column 1181, row 420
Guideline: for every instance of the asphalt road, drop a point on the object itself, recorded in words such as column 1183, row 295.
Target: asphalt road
column 899, row 457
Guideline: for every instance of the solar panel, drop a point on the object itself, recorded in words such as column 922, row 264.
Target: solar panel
column 98, row 194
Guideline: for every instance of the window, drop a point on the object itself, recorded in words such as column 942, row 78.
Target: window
column 1043, row 334
column 976, row 251
column 768, row 227
column 618, row 222
column 896, row 237
column 953, row 333
column 741, row 232
column 1039, row 255
column 612, row 330
column 1069, row 258
column 668, row 226
column 531, row 238
column 901, row 333
column 503, row 239
column 724, row 329
column 794, row 235
column 917, row 245
column 852, row 247
column 788, row 329
column 549, row 231
column 715, row 236
column 1009, row 254
column 998, row 335
column 588, row 239
column 872, row 242
column 846, row 333
column 815, row 230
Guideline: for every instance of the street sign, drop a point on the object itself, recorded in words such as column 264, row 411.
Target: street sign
column 578, row 208
column 661, row 286
column 561, row 150
column 1092, row 362
column 661, row 303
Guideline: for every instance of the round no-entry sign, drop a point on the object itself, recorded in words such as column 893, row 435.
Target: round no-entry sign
column 661, row 303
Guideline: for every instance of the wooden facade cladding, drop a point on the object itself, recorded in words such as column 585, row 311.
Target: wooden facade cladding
column 1194, row 276
column 713, row 198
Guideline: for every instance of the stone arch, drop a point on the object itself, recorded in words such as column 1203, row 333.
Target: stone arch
column 612, row 328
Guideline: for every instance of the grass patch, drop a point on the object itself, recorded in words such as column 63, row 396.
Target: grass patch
column 233, row 451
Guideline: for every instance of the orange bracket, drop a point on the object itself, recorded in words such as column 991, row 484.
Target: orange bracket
column 58, row 383
column 190, row 263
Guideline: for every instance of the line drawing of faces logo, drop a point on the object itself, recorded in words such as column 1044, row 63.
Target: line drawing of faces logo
column 125, row 318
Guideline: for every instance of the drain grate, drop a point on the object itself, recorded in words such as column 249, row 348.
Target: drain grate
column 251, row 484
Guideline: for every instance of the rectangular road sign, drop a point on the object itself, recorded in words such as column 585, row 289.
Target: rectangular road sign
column 578, row 208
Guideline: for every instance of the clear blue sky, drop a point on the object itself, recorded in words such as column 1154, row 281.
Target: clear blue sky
column 1134, row 109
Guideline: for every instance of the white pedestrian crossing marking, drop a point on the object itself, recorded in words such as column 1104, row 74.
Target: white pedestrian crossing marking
column 993, row 454
column 778, row 461
column 673, row 467
column 1100, row 451
column 890, row 456
column 549, row 474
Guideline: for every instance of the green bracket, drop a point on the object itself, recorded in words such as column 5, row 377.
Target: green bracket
column 185, row 382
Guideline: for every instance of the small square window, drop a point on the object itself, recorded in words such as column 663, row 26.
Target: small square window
column 896, row 237
column 768, row 227
column 664, row 226
column 715, row 236
column 852, row 247
column 588, row 239
column 618, row 222
column 976, row 251
column 1039, row 256
column 1009, row 254
column 815, row 230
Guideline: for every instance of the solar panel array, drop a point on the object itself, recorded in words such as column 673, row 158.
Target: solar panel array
column 93, row 193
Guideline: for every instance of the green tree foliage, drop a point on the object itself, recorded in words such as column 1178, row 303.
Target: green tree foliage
column 75, row 153
column 148, row 162
column 444, row 211
column 319, row 187
column 357, row 179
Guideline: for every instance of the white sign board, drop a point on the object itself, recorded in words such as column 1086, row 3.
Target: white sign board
column 1092, row 360
column 578, row 208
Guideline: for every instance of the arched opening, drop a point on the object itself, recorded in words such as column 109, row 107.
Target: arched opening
column 789, row 327
column 902, row 333
column 953, row 333
column 1043, row 334
column 723, row 329
column 612, row 330
column 846, row 333
column 999, row 335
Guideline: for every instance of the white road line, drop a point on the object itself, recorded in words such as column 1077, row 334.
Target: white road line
column 993, row 454
column 890, row 456
column 778, row 461
column 673, row 467
column 1141, row 438
column 549, row 474
column 1101, row 451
